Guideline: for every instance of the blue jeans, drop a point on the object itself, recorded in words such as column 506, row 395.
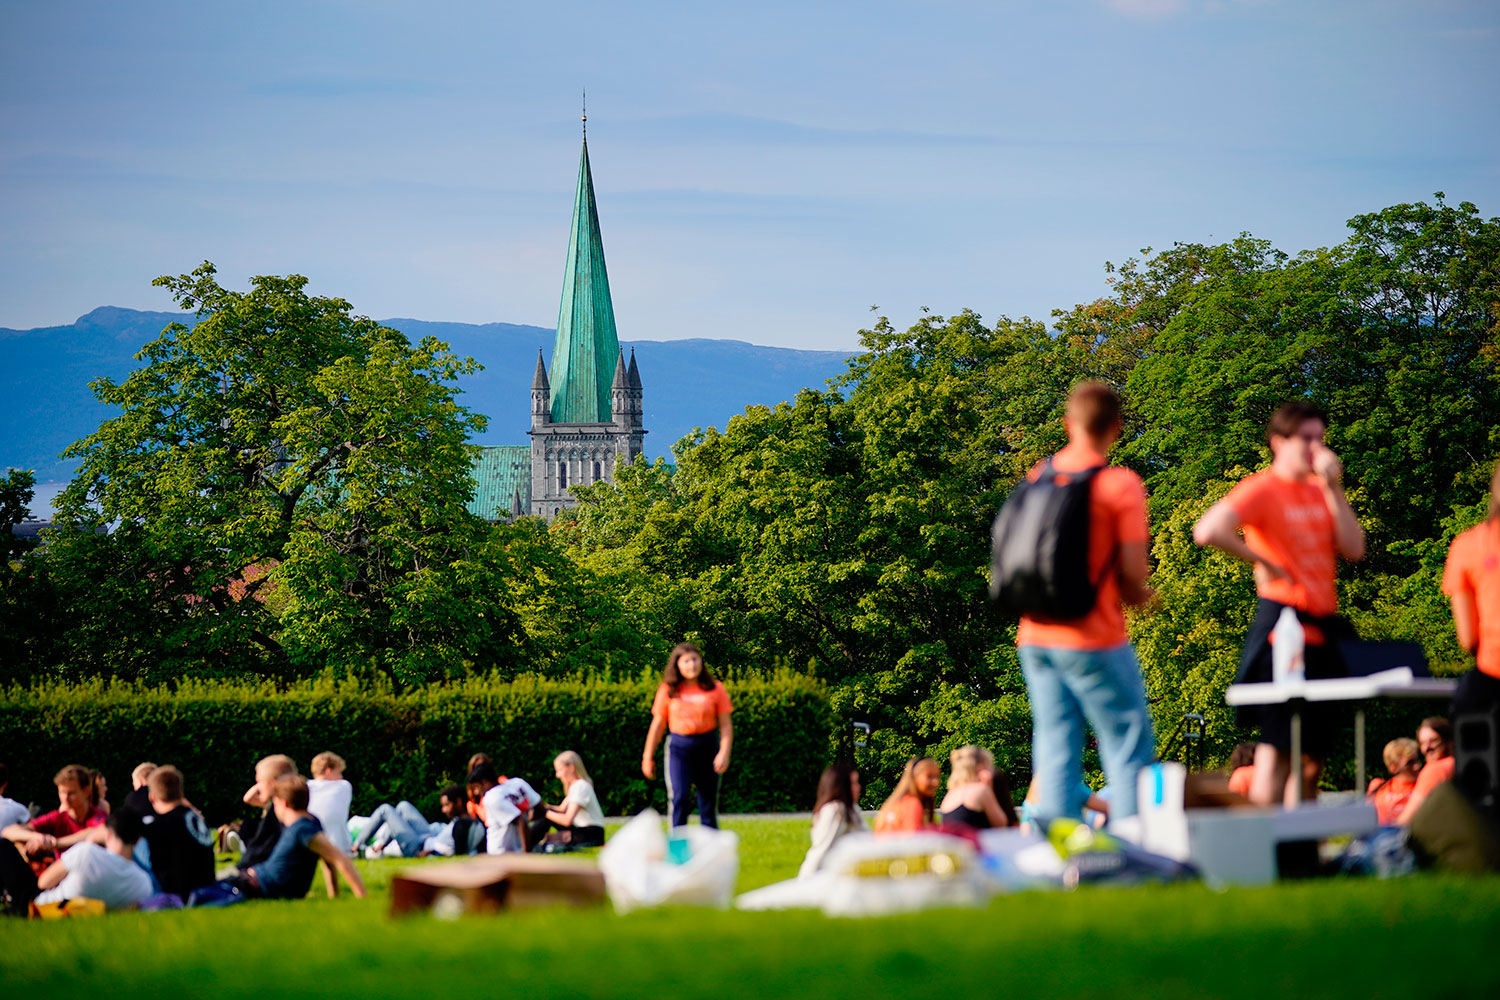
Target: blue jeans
column 403, row 822
column 1067, row 686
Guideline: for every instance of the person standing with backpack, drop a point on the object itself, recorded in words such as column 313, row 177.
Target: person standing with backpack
column 1070, row 551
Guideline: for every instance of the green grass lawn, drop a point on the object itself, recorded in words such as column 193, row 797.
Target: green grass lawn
column 1423, row 937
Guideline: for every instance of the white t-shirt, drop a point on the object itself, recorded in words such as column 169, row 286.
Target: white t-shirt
column 95, row 872
column 503, row 805
column 12, row 812
column 589, row 812
column 329, row 801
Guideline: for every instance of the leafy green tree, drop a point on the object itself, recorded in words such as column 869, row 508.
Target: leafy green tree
column 283, row 488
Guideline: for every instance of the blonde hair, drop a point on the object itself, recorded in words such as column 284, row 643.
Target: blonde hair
column 965, row 763
column 275, row 766
column 141, row 773
column 325, row 760
column 1400, row 751
column 571, row 758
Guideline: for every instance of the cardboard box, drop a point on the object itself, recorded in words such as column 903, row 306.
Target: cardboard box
column 491, row 884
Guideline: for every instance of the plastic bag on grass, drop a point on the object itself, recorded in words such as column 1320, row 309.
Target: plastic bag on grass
column 642, row 866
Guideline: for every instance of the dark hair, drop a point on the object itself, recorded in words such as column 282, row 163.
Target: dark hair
column 455, row 794
column 165, row 783
column 126, row 825
column 1000, row 785
column 1439, row 725
column 837, row 785
column 671, row 678
column 1289, row 416
column 484, row 774
column 1096, row 406
column 1243, row 755
column 292, row 789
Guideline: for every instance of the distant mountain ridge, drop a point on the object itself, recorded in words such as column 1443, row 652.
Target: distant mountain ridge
column 46, row 404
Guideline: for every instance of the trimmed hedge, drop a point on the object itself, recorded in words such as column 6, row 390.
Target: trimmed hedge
column 404, row 746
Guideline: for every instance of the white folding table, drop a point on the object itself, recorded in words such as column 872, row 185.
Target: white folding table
column 1398, row 682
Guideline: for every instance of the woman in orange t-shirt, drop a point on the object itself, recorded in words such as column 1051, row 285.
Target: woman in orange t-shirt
column 910, row 806
column 1471, row 579
column 695, row 709
column 1390, row 795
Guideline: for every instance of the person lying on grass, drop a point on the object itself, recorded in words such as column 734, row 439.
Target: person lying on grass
column 288, row 872
column 404, row 825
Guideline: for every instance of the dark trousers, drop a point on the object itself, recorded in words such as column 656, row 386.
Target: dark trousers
column 1477, row 693
column 16, row 878
column 579, row 836
column 690, row 766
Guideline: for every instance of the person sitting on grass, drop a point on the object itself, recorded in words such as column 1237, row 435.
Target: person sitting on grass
column 70, row 823
column 12, row 813
column 909, row 809
column 504, row 802
column 108, row 873
column 288, row 872
column 579, row 819
column 971, row 800
column 1435, row 740
column 1390, row 795
column 835, row 813
column 329, row 798
column 261, row 836
column 404, row 826
column 138, row 799
column 1242, row 768
column 179, row 847
column 475, row 807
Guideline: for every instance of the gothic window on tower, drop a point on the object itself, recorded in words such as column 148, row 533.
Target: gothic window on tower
column 562, row 475
column 598, row 472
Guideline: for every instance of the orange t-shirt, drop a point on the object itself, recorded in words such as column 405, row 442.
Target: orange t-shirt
column 1239, row 781
column 1390, row 797
column 1117, row 513
column 694, row 710
column 1433, row 773
column 1288, row 522
column 1474, row 568
column 905, row 815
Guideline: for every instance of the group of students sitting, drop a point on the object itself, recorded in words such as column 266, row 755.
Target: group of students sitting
column 1415, row 767
column 155, row 851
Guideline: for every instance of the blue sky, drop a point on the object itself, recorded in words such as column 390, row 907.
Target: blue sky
column 765, row 172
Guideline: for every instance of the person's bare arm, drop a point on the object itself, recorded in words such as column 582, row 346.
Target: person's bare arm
column 96, row 834
column 991, row 807
column 653, row 737
column 1219, row 528
column 20, row 833
column 1348, row 534
column 52, row 877
column 726, row 741
column 564, row 815
column 1135, row 569
column 256, row 796
column 330, row 880
column 1465, row 620
column 337, row 859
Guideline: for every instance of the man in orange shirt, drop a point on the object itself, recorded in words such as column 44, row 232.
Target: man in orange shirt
column 1471, row 579
column 1296, row 522
column 1085, row 667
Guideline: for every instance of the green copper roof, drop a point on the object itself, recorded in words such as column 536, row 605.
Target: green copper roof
column 499, row 472
column 587, row 348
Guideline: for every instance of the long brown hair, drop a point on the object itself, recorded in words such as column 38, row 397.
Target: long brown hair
column 672, row 678
column 908, row 786
column 837, row 785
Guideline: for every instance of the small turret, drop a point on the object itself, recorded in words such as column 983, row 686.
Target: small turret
column 619, row 395
column 541, row 405
column 637, row 411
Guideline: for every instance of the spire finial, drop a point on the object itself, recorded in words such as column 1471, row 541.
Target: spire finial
column 585, row 112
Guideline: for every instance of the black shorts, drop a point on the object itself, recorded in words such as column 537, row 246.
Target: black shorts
column 1319, row 719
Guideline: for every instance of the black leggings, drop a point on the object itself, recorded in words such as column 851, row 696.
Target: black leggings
column 16, row 878
column 579, row 836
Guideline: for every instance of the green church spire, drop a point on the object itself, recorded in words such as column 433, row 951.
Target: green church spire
column 587, row 349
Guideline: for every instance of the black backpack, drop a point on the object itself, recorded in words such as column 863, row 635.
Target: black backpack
column 1039, row 546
